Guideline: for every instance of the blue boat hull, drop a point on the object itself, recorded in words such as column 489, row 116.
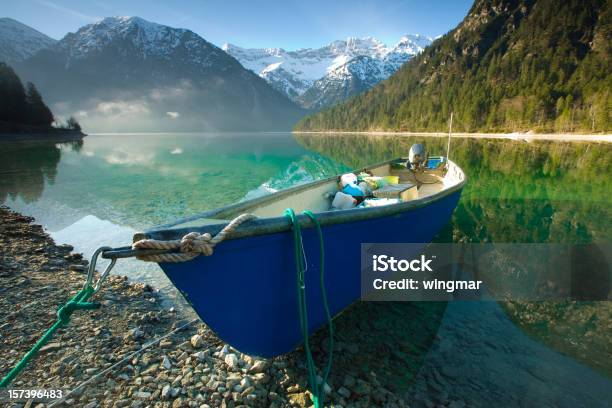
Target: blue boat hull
column 246, row 292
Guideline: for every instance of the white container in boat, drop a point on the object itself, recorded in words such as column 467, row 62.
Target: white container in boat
column 343, row 201
column 348, row 178
column 379, row 202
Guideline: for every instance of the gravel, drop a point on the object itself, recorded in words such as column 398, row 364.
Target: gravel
column 189, row 368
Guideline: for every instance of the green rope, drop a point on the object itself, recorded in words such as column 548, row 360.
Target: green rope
column 78, row 302
column 316, row 388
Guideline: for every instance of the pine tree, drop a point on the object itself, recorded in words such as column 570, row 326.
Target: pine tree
column 40, row 114
column 73, row 124
column 19, row 106
column 12, row 96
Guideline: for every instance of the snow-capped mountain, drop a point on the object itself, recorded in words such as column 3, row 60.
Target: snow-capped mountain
column 131, row 73
column 145, row 38
column 294, row 72
column 321, row 77
column 19, row 41
column 358, row 75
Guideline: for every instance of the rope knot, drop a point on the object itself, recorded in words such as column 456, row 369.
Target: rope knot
column 189, row 246
column 65, row 312
column 197, row 243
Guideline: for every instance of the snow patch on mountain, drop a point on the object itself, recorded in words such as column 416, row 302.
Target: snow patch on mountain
column 296, row 73
column 18, row 41
column 150, row 38
column 137, row 35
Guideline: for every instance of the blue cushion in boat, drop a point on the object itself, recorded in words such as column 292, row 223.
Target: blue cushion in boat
column 352, row 189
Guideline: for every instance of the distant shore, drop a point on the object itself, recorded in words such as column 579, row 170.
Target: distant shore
column 527, row 137
column 53, row 135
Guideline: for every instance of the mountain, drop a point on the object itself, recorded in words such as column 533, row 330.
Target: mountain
column 321, row 77
column 510, row 65
column 129, row 74
column 18, row 41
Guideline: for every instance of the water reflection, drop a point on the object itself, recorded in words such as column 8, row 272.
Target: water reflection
column 523, row 192
column 516, row 192
column 144, row 180
column 35, row 161
column 102, row 190
column 26, row 167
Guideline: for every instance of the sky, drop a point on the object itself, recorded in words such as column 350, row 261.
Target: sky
column 289, row 24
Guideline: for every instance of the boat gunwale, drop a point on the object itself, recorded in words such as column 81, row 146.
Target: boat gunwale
column 265, row 226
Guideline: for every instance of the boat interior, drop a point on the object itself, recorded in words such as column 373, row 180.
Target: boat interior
column 317, row 196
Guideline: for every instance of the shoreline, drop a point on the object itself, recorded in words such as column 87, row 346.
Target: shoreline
column 527, row 137
column 186, row 364
column 54, row 135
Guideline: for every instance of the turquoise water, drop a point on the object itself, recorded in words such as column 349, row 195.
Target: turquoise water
column 100, row 191
column 143, row 180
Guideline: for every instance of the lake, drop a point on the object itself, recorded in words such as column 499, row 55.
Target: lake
column 100, row 191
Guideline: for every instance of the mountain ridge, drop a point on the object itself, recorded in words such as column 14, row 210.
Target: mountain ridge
column 144, row 76
column 510, row 65
column 319, row 77
column 19, row 41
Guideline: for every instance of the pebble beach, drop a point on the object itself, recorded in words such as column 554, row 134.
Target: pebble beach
column 134, row 351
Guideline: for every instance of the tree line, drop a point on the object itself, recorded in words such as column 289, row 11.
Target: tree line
column 24, row 105
column 19, row 104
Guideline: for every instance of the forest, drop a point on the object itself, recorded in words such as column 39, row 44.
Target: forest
column 21, row 105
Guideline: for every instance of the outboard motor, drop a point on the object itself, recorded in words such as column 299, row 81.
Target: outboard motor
column 417, row 157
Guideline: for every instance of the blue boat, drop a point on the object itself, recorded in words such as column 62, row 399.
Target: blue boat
column 246, row 291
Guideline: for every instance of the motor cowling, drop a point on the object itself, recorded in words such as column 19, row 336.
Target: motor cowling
column 417, row 157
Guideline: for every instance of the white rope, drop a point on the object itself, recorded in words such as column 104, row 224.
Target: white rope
column 190, row 246
column 123, row 360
